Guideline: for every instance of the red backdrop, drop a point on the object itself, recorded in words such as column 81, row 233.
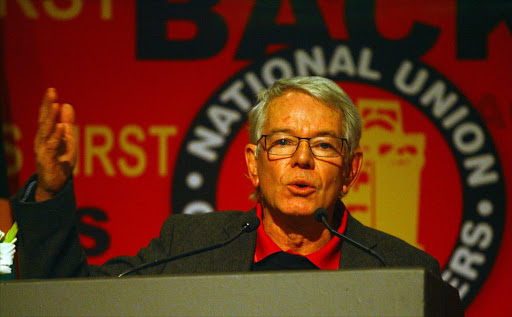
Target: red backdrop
column 161, row 89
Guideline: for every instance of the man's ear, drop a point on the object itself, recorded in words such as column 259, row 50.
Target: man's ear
column 353, row 170
column 252, row 164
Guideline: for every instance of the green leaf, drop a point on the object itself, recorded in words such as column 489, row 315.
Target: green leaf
column 11, row 234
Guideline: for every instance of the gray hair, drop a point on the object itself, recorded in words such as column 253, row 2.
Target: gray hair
column 323, row 89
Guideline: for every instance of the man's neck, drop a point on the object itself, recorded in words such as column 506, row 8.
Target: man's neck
column 300, row 234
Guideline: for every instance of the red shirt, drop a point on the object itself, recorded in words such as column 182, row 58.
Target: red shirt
column 327, row 258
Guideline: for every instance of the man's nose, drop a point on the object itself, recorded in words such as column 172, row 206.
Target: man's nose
column 303, row 157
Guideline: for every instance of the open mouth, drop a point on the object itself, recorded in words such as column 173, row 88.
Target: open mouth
column 302, row 187
column 302, row 190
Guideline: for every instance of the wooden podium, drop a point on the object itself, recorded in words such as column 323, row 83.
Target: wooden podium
column 375, row 292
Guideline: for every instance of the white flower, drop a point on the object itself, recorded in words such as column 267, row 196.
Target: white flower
column 7, row 250
column 6, row 257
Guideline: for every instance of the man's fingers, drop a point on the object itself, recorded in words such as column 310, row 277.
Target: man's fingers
column 47, row 125
column 70, row 146
column 55, row 139
column 49, row 98
column 48, row 113
column 67, row 114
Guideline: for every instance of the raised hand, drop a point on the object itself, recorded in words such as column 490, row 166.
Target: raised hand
column 55, row 146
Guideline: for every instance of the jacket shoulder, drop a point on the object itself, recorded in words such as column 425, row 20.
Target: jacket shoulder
column 217, row 218
column 202, row 229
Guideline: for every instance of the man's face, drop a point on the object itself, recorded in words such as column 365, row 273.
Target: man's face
column 301, row 183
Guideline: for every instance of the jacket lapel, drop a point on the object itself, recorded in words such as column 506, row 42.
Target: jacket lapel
column 351, row 256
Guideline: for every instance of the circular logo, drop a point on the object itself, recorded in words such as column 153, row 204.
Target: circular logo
column 202, row 154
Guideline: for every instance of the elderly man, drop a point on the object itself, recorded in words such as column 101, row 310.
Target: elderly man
column 304, row 155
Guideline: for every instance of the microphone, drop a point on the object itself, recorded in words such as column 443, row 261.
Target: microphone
column 250, row 224
column 321, row 216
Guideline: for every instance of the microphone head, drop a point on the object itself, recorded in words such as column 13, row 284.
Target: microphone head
column 251, row 223
column 320, row 214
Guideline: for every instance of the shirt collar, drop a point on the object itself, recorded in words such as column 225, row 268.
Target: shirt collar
column 327, row 258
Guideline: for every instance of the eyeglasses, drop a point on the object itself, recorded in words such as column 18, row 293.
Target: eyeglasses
column 321, row 146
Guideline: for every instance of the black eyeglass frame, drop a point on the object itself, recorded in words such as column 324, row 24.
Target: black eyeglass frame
column 298, row 143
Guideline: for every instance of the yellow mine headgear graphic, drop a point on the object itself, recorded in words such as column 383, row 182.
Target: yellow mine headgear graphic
column 386, row 196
